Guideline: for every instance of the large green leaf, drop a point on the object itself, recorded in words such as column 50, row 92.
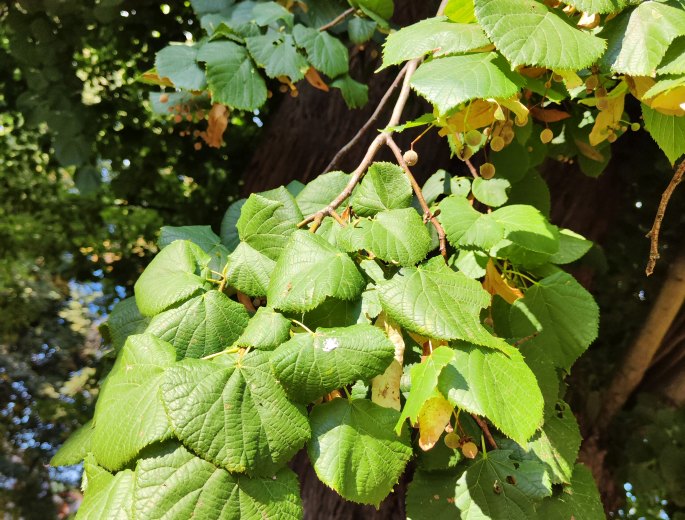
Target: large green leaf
column 203, row 325
column 177, row 484
column 572, row 246
column 449, row 82
column 639, row 38
column 674, row 59
column 232, row 76
column 378, row 10
column 355, row 451
column 432, row 299
column 278, row 55
column 234, row 413
column 229, row 230
column 398, row 236
column 355, row 93
column 467, row 228
column 248, row 270
column 526, row 227
column 172, row 277
column 384, row 187
column 325, row 52
column 579, row 501
column 203, row 236
column 434, row 35
column 312, row 365
column 265, row 331
column 484, row 491
column 430, row 496
column 598, row 6
column 321, row 191
column 424, row 381
column 76, row 447
column 178, row 63
column 497, row 385
column 309, row 271
column 667, row 131
column 564, row 316
column 125, row 320
column 527, row 32
column 107, row 496
column 129, row 414
column 267, row 220
column 491, row 192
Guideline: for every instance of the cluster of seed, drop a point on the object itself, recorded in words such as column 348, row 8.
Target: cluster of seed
column 467, row 446
column 185, row 112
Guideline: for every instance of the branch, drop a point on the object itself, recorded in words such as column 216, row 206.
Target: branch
column 642, row 351
column 653, row 234
column 335, row 21
column 419, row 195
column 486, row 431
column 369, row 123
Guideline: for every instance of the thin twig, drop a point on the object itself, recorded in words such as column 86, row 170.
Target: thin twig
column 486, row 431
column 337, row 217
column 653, row 234
column 247, row 303
column 369, row 123
column 335, row 21
column 472, row 168
column 419, row 195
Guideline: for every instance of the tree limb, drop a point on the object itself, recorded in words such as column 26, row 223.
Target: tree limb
column 653, row 234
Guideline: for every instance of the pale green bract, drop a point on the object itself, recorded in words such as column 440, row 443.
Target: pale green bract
column 527, row 32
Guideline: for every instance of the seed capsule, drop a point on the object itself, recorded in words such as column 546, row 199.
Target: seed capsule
column 635, row 127
column 591, row 82
column 452, row 440
column 473, row 137
column 546, row 135
column 469, row 450
column 487, row 170
column 411, row 157
column 497, row 143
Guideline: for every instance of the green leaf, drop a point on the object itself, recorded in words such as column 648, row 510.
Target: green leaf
column 325, row 52
column 355, row 94
column 265, row 331
column 449, row 82
column 497, row 385
column 107, row 496
column 176, row 484
column 360, row 30
column 434, row 35
column 599, row 6
column 424, row 381
column 564, row 315
column 532, row 190
column 526, row 227
column 312, row 365
column 321, row 191
column 335, row 313
column 433, row 300
column 398, row 236
column 512, row 162
column 125, row 320
column 639, row 38
column 354, row 450
column 129, row 414
column 378, row 10
column 384, row 187
column 443, row 183
column 430, row 495
column 572, row 246
column 267, row 220
column 484, row 491
column 667, row 131
column 674, row 59
column 278, row 55
column 527, row 32
column 229, row 231
column 491, row 192
column 460, row 11
column 232, row 76
column 178, row 63
column 201, row 326
column 75, row 448
column 172, row 277
column 467, row 228
column 580, row 500
column 472, row 263
column 248, row 270
column 267, row 13
column 311, row 270
column 203, row 236
column 234, row 413
column 557, row 445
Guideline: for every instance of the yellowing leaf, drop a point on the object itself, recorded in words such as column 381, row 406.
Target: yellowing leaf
column 607, row 119
column 549, row 115
column 671, row 103
column 638, row 85
column 495, row 284
column 217, row 121
column 314, row 79
column 434, row 416
column 385, row 388
column 571, row 79
column 477, row 114
column 588, row 151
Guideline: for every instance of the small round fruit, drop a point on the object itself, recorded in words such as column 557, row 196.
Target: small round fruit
column 497, row 143
column 164, row 98
column 473, row 137
column 635, row 127
column 411, row 157
column 487, row 170
column 452, row 440
column 465, row 153
column 557, row 77
column 546, row 135
column 612, row 138
column 469, row 450
column 591, row 82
